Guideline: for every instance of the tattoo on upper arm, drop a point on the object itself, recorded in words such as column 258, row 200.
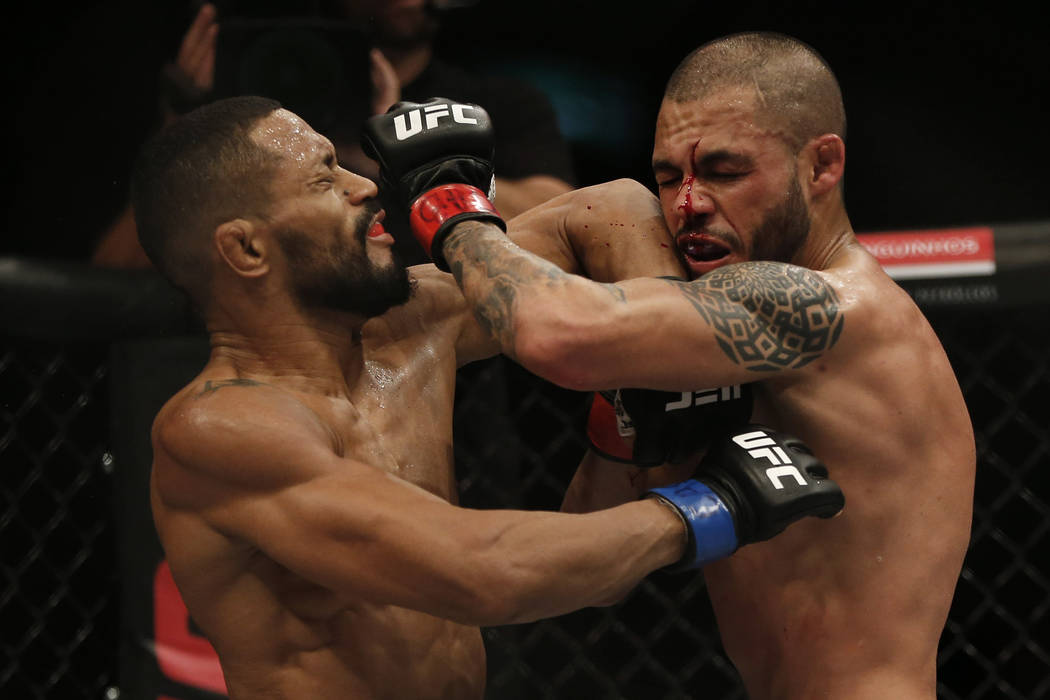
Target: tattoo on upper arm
column 768, row 316
column 210, row 387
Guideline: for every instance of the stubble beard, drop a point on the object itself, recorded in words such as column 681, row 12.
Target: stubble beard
column 784, row 229
column 341, row 279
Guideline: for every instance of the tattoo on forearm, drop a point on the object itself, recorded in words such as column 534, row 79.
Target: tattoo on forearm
column 768, row 316
column 495, row 274
column 210, row 387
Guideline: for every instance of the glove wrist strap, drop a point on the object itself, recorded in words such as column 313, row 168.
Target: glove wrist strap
column 437, row 210
column 712, row 533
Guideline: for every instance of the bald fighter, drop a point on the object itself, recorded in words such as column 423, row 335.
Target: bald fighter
column 303, row 484
column 749, row 158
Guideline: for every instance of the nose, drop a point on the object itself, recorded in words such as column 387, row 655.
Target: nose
column 691, row 201
column 358, row 188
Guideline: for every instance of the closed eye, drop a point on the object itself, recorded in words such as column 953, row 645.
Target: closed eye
column 725, row 176
column 667, row 179
column 724, row 165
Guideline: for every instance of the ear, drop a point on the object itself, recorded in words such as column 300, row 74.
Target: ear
column 242, row 248
column 826, row 163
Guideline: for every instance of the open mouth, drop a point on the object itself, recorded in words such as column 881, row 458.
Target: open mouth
column 376, row 229
column 698, row 247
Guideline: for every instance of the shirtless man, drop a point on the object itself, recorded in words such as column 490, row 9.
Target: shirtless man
column 303, row 484
column 749, row 160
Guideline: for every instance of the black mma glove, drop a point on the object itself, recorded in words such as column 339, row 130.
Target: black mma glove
column 435, row 159
column 608, row 427
column 751, row 484
column 667, row 426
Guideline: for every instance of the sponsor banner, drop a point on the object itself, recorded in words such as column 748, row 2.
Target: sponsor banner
column 962, row 252
column 182, row 653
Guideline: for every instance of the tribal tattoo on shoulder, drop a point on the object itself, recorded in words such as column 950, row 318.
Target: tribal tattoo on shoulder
column 210, row 387
column 768, row 316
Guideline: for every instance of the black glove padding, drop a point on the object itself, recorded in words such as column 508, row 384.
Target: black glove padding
column 420, row 145
column 672, row 426
column 769, row 480
column 435, row 159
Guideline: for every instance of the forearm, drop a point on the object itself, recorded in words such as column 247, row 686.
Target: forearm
column 559, row 563
column 511, row 290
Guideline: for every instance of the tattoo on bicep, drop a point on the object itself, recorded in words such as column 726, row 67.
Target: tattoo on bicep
column 768, row 316
column 210, row 387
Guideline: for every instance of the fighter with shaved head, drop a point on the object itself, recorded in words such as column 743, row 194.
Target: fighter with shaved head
column 788, row 321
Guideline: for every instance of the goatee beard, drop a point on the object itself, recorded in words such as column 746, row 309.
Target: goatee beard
column 341, row 279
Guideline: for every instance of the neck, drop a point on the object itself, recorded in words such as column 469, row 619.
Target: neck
column 829, row 234
column 314, row 352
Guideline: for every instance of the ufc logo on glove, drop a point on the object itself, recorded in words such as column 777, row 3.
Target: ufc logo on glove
column 410, row 123
column 702, row 398
column 757, row 444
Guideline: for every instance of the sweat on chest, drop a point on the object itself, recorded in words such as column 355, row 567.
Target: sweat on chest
column 400, row 421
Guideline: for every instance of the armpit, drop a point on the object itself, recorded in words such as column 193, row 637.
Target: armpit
column 768, row 316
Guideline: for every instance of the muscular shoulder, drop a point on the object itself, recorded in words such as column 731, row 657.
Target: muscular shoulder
column 770, row 316
column 214, row 428
column 878, row 309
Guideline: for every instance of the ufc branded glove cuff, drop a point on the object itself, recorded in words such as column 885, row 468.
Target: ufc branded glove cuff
column 438, row 210
column 752, row 483
column 421, row 146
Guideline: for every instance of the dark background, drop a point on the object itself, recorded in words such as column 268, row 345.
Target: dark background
column 946, row 103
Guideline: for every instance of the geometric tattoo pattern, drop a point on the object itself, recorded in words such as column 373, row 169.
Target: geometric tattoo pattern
column 767, row 316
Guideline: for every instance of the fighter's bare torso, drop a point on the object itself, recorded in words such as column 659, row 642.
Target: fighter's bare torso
column 853, row 607
column 278, row 634
column 850, row 608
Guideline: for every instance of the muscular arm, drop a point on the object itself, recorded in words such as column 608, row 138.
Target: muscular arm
column 608, row 232
column 258, row 468
column 737, row 324
column 517, row 196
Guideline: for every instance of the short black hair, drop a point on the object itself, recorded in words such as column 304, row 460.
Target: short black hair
column 194, row 174
column 795, row 85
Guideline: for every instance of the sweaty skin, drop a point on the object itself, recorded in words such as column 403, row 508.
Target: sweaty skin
column 303, row 484
column 849, row 608
column 277, row 632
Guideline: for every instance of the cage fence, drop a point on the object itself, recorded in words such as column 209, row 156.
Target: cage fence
column 518, row 440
